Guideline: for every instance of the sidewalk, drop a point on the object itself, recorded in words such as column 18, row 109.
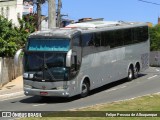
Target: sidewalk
column 12, row 89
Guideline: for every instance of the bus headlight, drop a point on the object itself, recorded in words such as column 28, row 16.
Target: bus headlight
column 27, row 86
column 25, row 75
column 60, row 88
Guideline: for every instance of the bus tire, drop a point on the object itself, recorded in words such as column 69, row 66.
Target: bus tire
column 130, row 74
column 136, row 72
column 85, row 89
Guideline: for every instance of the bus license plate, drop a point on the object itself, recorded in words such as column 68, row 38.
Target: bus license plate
column 44, row 93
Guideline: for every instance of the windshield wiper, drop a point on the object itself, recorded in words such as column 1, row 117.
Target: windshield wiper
column 49, row 72
column 47, row 69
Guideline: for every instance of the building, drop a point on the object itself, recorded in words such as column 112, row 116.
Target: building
column 11, row 10
column 27, row 7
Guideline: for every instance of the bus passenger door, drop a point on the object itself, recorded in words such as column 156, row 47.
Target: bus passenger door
column 76, row 56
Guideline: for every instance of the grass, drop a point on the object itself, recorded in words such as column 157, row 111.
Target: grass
column 145, row 103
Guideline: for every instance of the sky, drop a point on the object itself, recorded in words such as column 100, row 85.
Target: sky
column 110, row 10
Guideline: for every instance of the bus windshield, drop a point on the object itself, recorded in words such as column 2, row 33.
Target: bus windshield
column 48, row 66
column 53, row 44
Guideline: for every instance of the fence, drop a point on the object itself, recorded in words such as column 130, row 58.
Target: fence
column 155, row 58
column 9, row 71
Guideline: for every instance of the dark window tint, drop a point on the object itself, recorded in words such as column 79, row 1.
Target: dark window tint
column 87, row 39
column 97, row 39
column 118, row 38
column 104, row 41
column 76, row 41
column 140, row 34
column 127, row 36
column 109, row 38
column 145, row 33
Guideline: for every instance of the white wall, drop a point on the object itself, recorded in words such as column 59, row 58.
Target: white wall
column 11, row 10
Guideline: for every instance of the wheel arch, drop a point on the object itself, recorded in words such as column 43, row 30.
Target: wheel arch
column 130, row 65
column 85, row 79
column 138, row 65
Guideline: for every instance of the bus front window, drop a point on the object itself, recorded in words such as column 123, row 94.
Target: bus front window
column 45, row 59
column 45, row 66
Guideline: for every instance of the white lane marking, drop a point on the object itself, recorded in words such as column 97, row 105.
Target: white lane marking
column 39, row 105
column 157, row 70
column 115, row 89
column 152, row 77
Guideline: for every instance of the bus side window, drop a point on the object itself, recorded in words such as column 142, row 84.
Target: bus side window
column 139, row 35
column 109, row 36
column 76, row 41
column 97, row 39
column 136, row 35
column 118, row 37
column 145, row 33
column 127, row 36
column 74, row 67
column 87, row 40
column 104, row 40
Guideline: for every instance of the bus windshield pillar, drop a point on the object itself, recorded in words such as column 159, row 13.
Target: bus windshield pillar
column 68, row 58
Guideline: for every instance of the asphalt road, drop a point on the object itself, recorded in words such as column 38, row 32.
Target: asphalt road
column 147, row 83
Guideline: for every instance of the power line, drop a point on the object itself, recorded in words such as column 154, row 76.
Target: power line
column 149, row 2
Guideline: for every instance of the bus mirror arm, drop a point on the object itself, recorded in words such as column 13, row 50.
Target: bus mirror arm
column 16, row 57
column 68, row 58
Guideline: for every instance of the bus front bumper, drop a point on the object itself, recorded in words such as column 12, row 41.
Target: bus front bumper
column 56, row 93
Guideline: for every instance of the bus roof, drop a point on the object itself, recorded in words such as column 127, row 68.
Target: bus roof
column 94, row 26
column 56, row 33
column 84, row 27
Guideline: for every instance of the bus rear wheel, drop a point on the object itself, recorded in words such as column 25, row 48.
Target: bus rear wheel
column 85, row 89
column 130, row 74
column 136, row 72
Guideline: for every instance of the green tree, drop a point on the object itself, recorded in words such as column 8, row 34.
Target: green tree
column 155, row 37
column 7, row 34
column 13, row 38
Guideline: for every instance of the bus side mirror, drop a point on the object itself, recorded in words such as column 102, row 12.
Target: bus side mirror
column 69, row 58
column 16, row 57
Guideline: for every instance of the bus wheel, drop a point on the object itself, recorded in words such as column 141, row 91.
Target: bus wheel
column 130, row 74
column 85, row 89
column 136, row 72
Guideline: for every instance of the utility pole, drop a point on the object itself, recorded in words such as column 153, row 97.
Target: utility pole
column 39, row 14
column 51, row 14
column 59, row 13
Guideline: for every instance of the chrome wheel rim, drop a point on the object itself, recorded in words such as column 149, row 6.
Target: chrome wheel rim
column 84, row 88
column 130, row 74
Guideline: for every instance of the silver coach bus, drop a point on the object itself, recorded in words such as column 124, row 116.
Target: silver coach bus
column 71, row 61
